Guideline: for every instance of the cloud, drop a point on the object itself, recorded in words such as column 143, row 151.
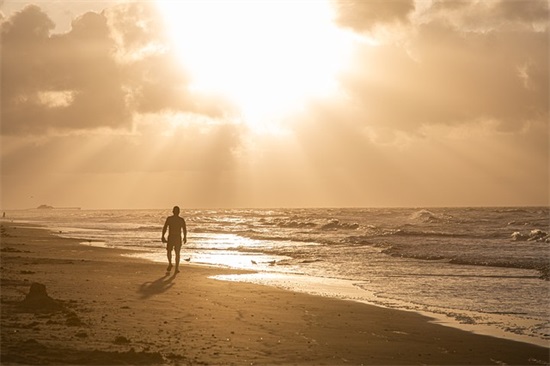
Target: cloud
column 532, row 11
column 102, row 72
column 439, row 99
column 360, row 15
column 452, row 108
column 135, row 26
column 444, row 75
column 483, row 16
column 111, row 66
column 78, row 63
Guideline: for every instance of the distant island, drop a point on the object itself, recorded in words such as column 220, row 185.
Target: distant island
column 45, row 207
column 48, row 207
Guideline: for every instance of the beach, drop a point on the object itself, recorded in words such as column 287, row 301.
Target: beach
column 105, row 308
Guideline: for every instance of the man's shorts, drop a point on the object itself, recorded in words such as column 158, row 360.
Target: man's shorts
column 173, row 243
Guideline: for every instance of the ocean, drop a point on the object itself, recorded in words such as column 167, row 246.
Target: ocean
column 480, row 269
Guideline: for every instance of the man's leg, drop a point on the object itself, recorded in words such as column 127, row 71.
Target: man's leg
column 178, row 248
column 169, row 256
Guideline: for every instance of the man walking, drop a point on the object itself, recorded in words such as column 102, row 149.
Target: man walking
column 175, row 226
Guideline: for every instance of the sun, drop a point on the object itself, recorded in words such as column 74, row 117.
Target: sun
column 268, row 57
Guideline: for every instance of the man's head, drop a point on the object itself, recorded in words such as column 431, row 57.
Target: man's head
column 176, row 210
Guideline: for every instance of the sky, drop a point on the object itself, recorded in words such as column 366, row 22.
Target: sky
column 242, row 104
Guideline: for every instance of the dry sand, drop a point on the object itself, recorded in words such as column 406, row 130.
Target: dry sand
column 105, row 309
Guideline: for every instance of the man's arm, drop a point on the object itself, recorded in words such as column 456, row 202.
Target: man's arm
column 184, row 228
column 164, row 231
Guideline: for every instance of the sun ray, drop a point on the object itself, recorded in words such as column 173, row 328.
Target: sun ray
column 267, row 57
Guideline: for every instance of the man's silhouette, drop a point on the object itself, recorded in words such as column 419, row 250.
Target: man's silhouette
column 175, row 225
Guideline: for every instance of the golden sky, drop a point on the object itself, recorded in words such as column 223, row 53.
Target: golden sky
column 306, row 103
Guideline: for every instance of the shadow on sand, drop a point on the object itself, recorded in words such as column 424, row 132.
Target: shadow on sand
column 156, row 287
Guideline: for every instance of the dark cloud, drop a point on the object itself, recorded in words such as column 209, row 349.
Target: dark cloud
column 67, row 81
column 108, row 67
column 25, row 31
column 531, row 11
column 363, row 15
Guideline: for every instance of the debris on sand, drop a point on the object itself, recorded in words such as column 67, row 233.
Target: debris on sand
column 38, row 301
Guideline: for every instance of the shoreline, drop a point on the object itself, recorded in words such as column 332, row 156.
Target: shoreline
column 469, row 321
column 351, row 293
column 125, row 310
column 347, row 291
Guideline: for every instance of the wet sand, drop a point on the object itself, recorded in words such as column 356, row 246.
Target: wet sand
column 106, row 309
